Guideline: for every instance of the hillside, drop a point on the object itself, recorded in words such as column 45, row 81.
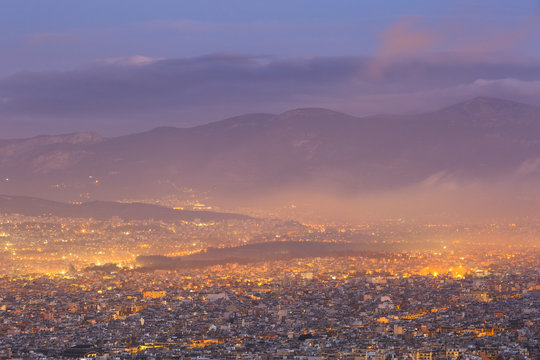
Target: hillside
column 234, row 160
column 104, row 210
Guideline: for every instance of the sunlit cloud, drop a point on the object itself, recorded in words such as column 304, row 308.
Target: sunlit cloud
column 136, row 60
column 405, row 38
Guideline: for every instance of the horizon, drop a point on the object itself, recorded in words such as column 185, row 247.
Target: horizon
column 251, row 179
column 224, row 164
column 190, row 92
column 476, row 98
column 130, row 66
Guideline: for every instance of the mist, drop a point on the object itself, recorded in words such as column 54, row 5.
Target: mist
column 452, row 202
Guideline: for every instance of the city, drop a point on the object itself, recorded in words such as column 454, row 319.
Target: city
column 270, row 180
column 76, row 288
column 400, row 306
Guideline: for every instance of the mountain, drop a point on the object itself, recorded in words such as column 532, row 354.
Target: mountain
column 318, row 149
column 267, row 251
column 104, row 210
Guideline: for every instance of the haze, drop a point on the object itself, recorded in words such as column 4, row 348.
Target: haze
column 250, row 179
column 361, row 112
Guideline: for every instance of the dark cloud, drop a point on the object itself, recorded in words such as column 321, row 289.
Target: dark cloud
column 132, row 94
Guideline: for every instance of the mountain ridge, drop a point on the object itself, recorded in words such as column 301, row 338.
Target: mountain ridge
column 472, row 103
column 306, row 148
column 105, row 210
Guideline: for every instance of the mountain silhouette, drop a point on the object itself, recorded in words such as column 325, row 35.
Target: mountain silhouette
column 483, row 138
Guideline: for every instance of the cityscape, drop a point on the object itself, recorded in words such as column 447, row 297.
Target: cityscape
column 72, row 290
column 371, row 307
column 264, row 180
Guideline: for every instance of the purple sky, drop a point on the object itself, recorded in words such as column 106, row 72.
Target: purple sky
column 125, row 66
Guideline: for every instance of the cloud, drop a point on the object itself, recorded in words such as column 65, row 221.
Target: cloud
column 529, row 167
column 491, row 38
column 124, row 95
column 135, row 60
column 403, row 39
column 509, row 86
column 187, row 26
column 416, row 37
column 50, row 38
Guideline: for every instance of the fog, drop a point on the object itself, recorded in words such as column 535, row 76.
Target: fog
column 447, row 202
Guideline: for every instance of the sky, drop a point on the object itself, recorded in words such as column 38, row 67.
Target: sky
column 118, row 67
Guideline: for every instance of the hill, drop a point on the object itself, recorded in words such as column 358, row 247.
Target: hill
column 267, row 251
column 237, row 160
column 104, row 210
